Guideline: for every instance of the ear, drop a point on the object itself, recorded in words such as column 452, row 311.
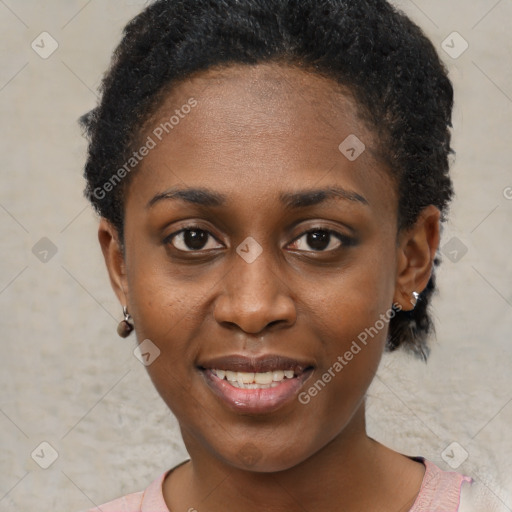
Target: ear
column 417, row 249
column 114, row 259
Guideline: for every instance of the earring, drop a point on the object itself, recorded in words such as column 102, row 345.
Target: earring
column 125, row 327
column 416, row 296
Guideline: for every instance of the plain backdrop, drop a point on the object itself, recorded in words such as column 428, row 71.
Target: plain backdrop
column 68, row 381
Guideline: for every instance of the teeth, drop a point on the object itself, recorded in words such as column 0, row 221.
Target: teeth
column 277, row 375
column 245, row 378
column 231, row 376
column 263, row 378
column 252, row 385
column 220, row 373
column 255, row 380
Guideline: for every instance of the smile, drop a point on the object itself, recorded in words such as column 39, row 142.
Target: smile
column 255, row 385
column 252, row 380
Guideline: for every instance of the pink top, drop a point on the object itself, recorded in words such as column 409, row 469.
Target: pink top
column 440, row 492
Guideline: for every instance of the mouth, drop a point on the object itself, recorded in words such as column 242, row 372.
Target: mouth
column 255, row 380
column 256, row 385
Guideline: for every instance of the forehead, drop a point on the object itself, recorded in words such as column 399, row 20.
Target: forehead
column 249, row 102
column 263, row 126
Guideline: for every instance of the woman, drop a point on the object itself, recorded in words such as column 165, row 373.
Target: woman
column 271, row 179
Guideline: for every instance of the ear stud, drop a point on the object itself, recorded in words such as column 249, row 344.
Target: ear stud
column 416, row 296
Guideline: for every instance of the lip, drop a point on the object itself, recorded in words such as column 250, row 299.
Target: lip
column 256, row 401
column 260, row 364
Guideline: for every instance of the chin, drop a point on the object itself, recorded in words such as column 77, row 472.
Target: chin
column 256, row 459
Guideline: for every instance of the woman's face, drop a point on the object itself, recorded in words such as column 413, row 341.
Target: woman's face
column 246, row 288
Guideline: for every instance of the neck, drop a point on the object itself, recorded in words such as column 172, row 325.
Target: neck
column 341, row 472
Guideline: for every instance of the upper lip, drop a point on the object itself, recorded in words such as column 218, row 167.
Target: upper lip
column 260, row 364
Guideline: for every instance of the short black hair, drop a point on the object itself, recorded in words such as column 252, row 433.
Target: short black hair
column 391, row 68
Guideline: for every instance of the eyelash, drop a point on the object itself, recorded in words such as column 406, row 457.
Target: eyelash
column 345, row 241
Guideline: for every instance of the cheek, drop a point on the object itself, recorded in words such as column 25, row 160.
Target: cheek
column 166, row 314
column 351, row 304
column 350, row 360
column 352, row 319
column 163, row 300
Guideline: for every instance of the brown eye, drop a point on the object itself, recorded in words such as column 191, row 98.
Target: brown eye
column 319, row 240
column 191, row 239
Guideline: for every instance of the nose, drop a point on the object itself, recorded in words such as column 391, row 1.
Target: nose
column 255, row 296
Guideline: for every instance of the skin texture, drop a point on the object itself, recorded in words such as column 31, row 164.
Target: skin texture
column 257, row 132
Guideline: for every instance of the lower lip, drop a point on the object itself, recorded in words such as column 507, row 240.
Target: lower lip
column 257, row 401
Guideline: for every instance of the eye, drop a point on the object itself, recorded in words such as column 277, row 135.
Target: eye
column 321, row 239
column 190, row 239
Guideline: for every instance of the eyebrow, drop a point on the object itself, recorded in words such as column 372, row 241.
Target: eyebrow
column 290, row 200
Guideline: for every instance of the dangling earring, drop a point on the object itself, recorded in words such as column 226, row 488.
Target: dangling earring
column 416, row 296
column 125, row 327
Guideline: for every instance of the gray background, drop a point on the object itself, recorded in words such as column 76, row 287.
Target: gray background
column 68, row 380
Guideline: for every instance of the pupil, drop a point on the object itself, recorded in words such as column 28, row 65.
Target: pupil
column 195, row 239
column 319, row 240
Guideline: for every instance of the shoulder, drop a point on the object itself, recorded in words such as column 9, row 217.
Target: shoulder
column 449, row 491
column 440, row 490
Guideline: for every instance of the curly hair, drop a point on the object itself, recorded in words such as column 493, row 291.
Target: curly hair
column 391, row 68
